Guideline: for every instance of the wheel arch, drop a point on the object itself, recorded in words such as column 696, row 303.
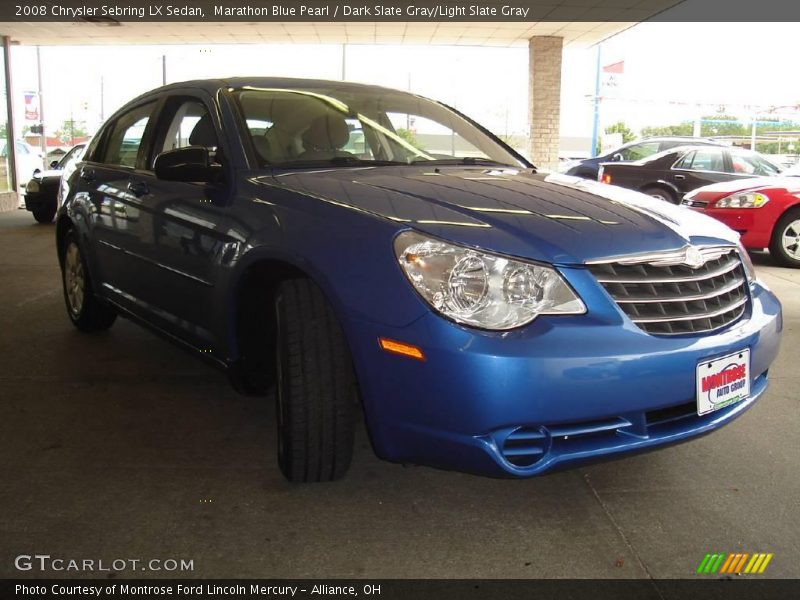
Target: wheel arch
column 251, row 319
column 794, row 205
column 671, row 188
column 63, row 225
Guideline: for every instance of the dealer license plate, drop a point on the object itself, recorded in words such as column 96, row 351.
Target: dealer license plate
column 723, row 381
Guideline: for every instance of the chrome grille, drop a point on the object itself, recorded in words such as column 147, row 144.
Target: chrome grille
column 694, row 203
column 665, row 296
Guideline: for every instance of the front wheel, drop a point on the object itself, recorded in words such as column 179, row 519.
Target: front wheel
column 316, row 386
column 85, row 311
column 660, row 193
column 784, row 247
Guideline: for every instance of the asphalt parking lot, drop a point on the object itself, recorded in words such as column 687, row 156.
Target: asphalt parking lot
column 120, row 445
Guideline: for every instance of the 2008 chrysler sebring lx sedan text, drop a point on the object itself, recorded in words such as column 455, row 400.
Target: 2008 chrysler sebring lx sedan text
column 351, row 243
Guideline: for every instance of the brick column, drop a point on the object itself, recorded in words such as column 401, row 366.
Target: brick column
column 544, row 100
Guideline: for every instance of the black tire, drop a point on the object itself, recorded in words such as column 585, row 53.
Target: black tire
column 789, row 223
column 660, row 193
column 316, row 387
column 84, row 309
column 44, row 215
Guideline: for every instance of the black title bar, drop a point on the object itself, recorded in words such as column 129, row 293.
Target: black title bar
column 700, row 588
column 111, row 12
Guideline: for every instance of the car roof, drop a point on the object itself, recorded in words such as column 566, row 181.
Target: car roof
column 212, row 85
column 676, row 138
column 675, row 150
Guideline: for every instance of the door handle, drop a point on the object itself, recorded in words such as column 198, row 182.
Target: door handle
column 87, row 175
column 138, row 188
column 680, row 176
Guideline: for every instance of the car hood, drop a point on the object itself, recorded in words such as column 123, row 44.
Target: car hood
column 554, row 218
column 49, row 174
column 739, row 185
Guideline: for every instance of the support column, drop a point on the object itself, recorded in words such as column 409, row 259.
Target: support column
column 8, row 200
column 544, row 100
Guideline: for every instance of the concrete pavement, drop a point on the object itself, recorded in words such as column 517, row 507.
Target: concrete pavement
column 121, row 446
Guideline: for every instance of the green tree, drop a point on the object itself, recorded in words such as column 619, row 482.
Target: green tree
column 70, row 130
column 681, row 129
column 723, row 125
column 620, row 127
column 410, row 137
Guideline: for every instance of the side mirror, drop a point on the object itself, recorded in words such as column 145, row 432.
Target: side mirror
column 53, row 164
column 616, row 157
column 190, row 164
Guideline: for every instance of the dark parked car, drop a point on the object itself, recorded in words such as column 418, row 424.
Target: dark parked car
column 588, row 167
column 488, row 318
column 671, row 174
column 41, row 192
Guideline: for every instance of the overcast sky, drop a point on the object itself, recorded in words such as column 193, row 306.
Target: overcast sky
column 669, row 68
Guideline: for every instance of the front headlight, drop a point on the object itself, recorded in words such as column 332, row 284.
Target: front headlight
column 749, row 200
column 32, row 187
column 480, row 289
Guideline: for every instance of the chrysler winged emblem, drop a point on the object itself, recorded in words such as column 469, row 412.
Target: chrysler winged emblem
column 694, row 258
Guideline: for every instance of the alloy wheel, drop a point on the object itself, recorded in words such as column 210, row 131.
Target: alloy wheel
column 74, row 278
column 791, row 239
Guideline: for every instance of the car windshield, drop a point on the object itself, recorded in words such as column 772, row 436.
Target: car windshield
column 792, row 171
column 349, row 126
column 71, row 157
column 752, row 163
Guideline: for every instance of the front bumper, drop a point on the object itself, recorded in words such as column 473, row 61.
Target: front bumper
column 37, row 200
column 557, row 393
column 754, row 225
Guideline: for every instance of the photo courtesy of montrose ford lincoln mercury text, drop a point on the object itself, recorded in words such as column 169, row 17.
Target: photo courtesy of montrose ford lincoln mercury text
column 347, row 244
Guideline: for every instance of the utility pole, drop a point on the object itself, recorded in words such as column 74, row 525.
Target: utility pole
column 41, row 108
column 596, row 119
column 163, row 69
column 344, row 62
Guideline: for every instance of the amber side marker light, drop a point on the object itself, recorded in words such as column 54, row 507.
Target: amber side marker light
column 606, row 178
column 395, row 347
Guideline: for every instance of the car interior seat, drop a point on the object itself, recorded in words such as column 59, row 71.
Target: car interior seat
column 326, row 137
column 203, row 133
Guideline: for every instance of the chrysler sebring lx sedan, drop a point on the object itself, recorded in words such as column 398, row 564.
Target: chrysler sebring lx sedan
column 347, row 244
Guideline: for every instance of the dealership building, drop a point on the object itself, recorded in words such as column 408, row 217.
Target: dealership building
column 549, row 28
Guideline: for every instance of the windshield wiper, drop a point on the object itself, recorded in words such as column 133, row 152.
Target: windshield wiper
column 463, row 160
column 337, row 161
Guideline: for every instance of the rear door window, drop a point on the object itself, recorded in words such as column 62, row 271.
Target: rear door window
column 124, row 143
column 710, row 159
column 685, row 162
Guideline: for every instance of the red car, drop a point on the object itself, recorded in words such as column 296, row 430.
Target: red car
column 765, row 211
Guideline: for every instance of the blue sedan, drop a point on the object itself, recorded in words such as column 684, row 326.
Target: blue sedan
column 352, row 245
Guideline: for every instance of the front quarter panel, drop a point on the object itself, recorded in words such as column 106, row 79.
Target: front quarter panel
column 348, row 252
